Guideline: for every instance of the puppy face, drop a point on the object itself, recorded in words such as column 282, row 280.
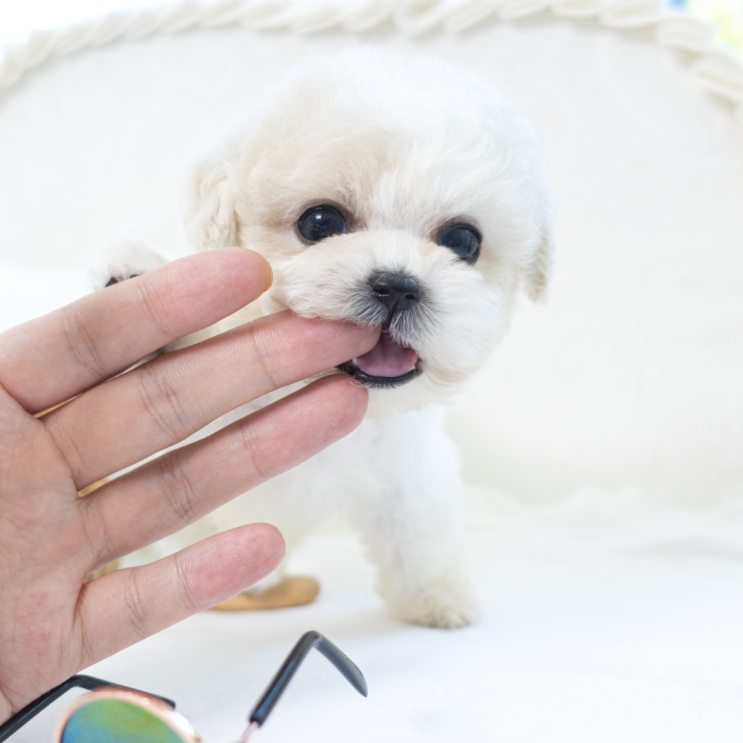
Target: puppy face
column 407, row 192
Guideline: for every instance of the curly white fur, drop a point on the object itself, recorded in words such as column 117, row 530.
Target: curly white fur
column 403, row 147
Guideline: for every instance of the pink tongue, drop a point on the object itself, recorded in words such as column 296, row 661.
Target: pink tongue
column 388, row 358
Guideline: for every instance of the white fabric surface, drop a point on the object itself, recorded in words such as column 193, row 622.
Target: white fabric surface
column 605, row 617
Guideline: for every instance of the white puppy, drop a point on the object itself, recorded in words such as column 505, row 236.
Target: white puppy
column 407, row 191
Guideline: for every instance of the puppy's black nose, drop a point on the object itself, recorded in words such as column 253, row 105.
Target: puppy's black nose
column 396, row 291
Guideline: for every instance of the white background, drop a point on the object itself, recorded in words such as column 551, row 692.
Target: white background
column 608, row 616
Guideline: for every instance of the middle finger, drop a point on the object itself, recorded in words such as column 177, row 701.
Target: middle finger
column 128, row 418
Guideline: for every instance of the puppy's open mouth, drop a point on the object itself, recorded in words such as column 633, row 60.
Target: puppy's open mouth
column 388, row 364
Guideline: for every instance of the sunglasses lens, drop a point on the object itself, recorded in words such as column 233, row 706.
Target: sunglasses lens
column 115, row 721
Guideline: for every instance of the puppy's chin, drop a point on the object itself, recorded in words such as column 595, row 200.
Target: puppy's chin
column 396, row 400
column 388, row 365
column 416, row 394
column 394, row 376
column 374, row 381
column 398, row 380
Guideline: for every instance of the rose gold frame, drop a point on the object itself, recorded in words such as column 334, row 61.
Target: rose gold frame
column 180, row 725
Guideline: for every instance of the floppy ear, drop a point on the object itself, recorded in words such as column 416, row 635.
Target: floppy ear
column 540, row 272
column 210, row 216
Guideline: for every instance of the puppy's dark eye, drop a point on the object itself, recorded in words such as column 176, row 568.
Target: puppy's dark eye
column 320, row 222
column 462, row 240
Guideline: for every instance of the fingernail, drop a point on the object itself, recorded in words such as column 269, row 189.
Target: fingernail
column 270, row 273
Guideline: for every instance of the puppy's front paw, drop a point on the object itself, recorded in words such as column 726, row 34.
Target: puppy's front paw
column 121, row 260
column 450, row 612
column 445, row 603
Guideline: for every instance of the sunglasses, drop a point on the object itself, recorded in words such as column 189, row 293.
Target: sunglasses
column 117, row 714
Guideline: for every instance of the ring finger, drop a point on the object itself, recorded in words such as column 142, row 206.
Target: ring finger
column 170, row 492
column 121, row 422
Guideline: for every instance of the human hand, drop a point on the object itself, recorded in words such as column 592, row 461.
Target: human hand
column 52, row 624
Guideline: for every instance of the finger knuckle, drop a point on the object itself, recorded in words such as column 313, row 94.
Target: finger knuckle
column 251, row 445
column 155, row 305
column 184, row 585
column 82, row 343
column 137, row 614
column 161, row 400
column 259, row 350
column 178, row 490
column 99, row 532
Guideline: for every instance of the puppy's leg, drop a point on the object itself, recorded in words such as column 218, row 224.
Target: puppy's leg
column 418, row 585
column 419, row 557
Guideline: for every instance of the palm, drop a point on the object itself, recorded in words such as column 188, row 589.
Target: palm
column 41, row 636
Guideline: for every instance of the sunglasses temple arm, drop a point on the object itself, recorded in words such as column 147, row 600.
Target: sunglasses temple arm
column 39, row 704
column 284, row 675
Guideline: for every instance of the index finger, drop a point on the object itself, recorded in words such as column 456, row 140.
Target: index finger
column 52, row 358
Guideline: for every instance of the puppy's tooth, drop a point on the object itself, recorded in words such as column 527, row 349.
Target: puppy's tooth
column 355, row 362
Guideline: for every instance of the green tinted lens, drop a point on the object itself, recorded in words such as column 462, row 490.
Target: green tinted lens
column 114, row 721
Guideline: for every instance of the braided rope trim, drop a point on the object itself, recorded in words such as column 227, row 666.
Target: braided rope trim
column 716, row 69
